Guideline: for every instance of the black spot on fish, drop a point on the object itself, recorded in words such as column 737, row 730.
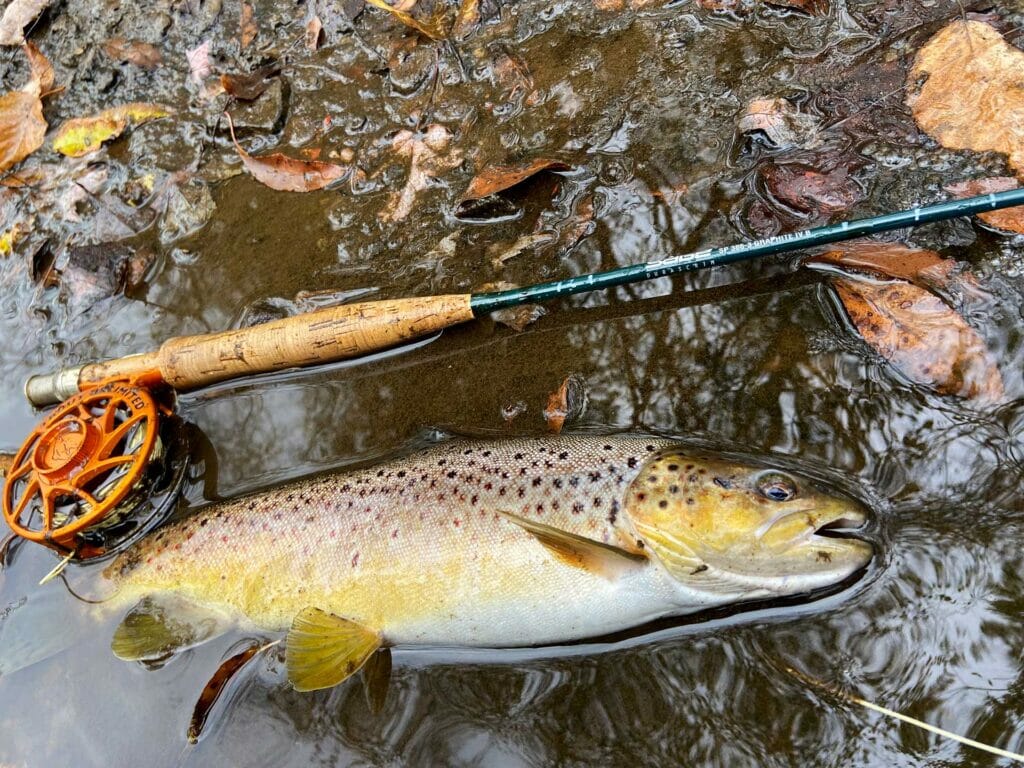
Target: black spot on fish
column 699, row 569
column 401, row 473
column 673, row 467
column 574, row 481
column 537, row 481
column 557, row 482
column 662, row 504
column 614, row 513
column 563, row 455
column 673, row 489
column 518, row 457
column 632, row 462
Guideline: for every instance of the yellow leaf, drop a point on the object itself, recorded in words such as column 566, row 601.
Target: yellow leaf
column 83, row 135
column 11, row 237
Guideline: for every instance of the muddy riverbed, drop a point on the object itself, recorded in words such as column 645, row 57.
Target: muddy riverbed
column 643, row 101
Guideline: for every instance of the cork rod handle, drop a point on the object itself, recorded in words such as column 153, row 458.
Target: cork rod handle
column 323, row 336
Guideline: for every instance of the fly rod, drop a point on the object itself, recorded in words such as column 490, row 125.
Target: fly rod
column 350, row 330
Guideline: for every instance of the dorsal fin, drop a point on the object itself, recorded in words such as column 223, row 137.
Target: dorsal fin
column 322, row 649
column 157, row 627
column 578, row 551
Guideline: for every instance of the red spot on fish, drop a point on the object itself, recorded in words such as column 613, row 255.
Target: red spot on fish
column 355, row 559
column 394, row 534
column 457, row 522
column 334, row 534
column 224, row 539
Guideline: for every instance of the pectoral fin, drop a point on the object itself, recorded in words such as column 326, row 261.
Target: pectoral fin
column 322, row 649
column 578, row 551
column 158, row 627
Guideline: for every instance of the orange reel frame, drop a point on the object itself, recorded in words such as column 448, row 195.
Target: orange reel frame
column 75, row 447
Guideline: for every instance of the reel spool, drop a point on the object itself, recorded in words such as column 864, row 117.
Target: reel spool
column 97, row 473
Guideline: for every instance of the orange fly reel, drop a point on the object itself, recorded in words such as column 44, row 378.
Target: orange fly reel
column 83, row 468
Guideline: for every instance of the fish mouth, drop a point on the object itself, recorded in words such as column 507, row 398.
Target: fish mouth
column 844, row 525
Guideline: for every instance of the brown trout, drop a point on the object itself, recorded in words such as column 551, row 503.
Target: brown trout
column 505, row 543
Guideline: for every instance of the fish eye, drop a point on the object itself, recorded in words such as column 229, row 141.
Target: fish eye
column 776, row 487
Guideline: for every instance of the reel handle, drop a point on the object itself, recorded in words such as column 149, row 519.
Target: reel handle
column 312, row 338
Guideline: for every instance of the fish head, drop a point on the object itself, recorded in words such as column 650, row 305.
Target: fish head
column 743, row 531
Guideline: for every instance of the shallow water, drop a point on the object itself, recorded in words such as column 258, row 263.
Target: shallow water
column 644, row 104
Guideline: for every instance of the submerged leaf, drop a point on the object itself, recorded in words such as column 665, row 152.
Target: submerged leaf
column 497, row 178
column 16, row 17
column 782, row 124
column 433, row 30
column 973, row 93
column 922, row 336
column 314, row 31
column 565, row 403
column 214, row 689
column 247, row 29
column 134, row 52
column 429, row 154
column 1008, row 219
column 250, row 86
column 882, row 260
column 286, row 174
column 82, row 135
column 41, row 77
column 199, row 66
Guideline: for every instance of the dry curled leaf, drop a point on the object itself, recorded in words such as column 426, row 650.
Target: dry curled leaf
column 17, row 16
column 1008, row 219
column 972, row 95
column 247, row 29
column 135, row 52
column 287, row 174
column 565, row 403
column 497, row 178
column 433, row 29
column 922, row 336
column 82, row 135
column 22, row 126
column 215, row 687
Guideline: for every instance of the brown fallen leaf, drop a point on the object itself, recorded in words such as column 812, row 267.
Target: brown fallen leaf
column 16, row 17
column 972, row 95
column 1008, row 219
column 881, row 260
column 812, row 191
column 247, row 28
column 22, row 126
column 314, row 33
column 82, row 135
column 135, row 52
column 215, row 687
column 40, row 69
column 250, row 86
column 497, row 178
column 429, row 155
column 433, row 29
column 922, row 337
column 565, row 403
column 287, row 174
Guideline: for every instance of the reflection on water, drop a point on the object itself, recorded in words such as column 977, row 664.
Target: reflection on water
column 644, row 103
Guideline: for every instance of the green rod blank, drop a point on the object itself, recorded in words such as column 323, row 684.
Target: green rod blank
column 482, row 303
